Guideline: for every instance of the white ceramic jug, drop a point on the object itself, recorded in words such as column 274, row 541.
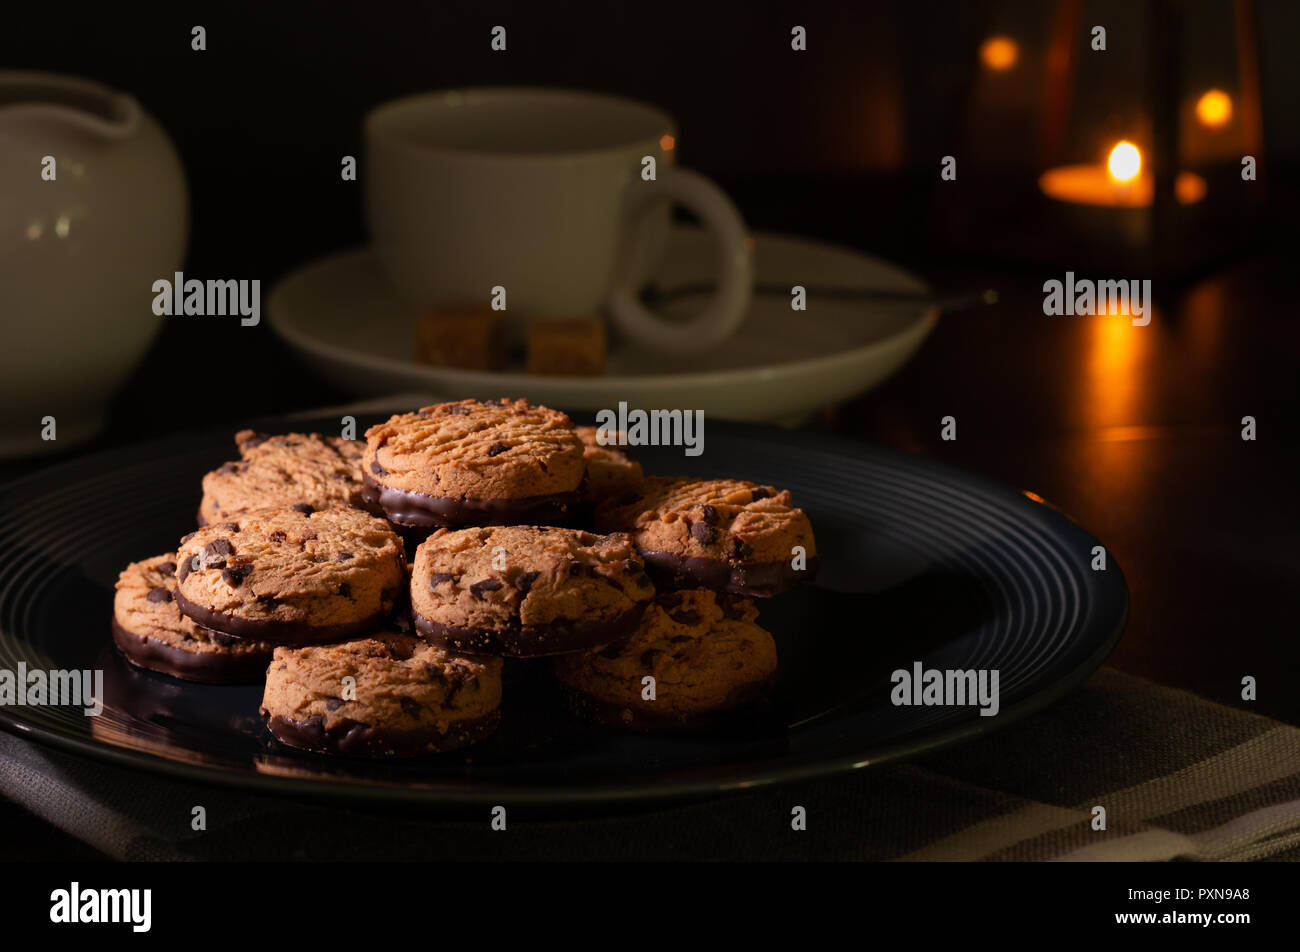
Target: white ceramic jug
column 93, row 210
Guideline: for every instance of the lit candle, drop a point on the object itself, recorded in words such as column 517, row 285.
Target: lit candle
column 1121, row 183
column 1124, row 163
column 1110, row 200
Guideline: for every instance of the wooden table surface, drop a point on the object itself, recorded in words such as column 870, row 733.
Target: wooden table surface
column 1136, row 433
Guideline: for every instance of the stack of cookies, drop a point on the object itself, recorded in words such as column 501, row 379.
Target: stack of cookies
column 526, row 538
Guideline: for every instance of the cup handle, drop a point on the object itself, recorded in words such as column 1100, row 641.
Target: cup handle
column 726, row 309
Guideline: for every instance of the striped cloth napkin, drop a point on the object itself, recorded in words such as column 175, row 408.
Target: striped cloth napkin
column 1179, row 777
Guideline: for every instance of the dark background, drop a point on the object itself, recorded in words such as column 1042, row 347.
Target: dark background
column 841, row 142
column 1136, row 434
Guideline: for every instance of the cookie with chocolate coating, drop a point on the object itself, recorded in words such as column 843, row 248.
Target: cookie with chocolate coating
column 526, row 591
column 282, row 470
column 706, row 654
column 491, row 462
column 292, row 576
column 725, row 534
column 151, row 632
column 405, row 697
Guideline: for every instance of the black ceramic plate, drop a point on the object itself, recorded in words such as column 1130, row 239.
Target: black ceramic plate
column 919, row 563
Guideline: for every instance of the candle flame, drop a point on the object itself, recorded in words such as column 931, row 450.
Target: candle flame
column 1214, row 108
column 667, row 143
column 999, row 53
column 1125, row 162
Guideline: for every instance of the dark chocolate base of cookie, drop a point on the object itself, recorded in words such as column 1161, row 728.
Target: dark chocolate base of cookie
column 353, row 739
column 205, row 667
column 276, row 631
column 754, row 579
column 530, row 641
column 411, row 536
column 737, row 712
column 419, row 510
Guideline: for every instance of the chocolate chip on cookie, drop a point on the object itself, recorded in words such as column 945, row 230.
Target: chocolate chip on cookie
column 279, row 577
column 294, row 469
column 525, row 591
column 724, row 534
column 475, row 463
column 151, row 632
column 409, row 697
column 707, row 656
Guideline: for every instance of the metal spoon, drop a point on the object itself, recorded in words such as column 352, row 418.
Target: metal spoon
column 656, row 295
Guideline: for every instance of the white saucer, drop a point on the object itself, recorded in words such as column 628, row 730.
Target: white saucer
column 340, row 315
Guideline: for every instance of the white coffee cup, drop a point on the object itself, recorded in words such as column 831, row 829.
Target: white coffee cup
column 541, row 192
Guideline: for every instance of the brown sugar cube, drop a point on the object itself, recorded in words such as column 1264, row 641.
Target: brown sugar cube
column 473, row 340
column 567, row 348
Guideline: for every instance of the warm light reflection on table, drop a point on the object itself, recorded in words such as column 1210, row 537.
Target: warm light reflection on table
column 1117, row 351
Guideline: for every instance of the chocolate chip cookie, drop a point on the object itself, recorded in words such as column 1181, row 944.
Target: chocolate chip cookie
column 704, row 651
column 610, row 471
column 278, row 471
column 292, row 576
column 494, row 462
column 405, row 698
column 526, row 591
column 724, row 534
column 152, row 633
